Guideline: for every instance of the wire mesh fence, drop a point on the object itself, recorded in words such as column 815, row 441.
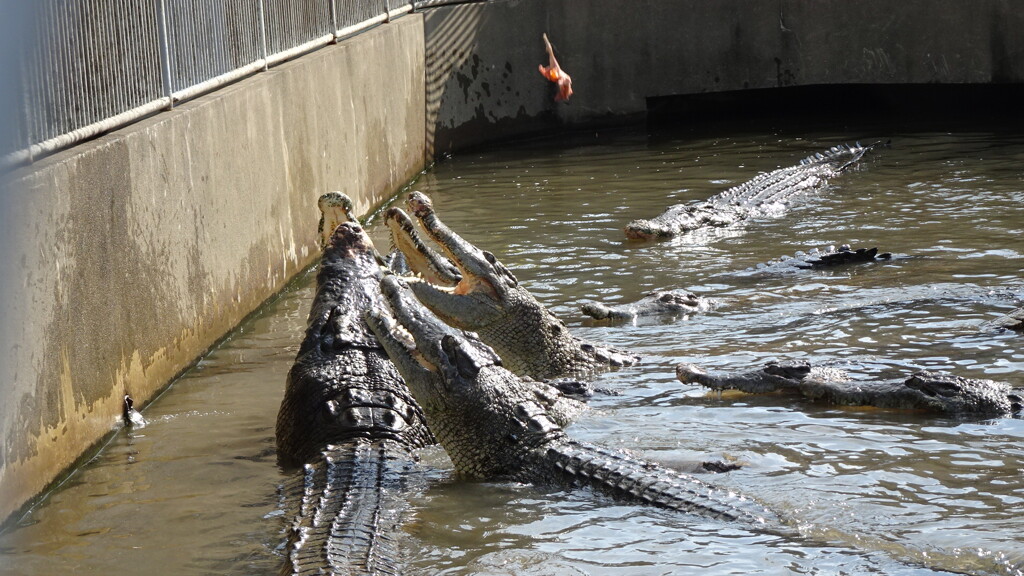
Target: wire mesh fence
column 90, row 66
column 208, row 38
column 85, row 61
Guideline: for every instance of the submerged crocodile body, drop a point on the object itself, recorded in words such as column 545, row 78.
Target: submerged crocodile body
column 818, row 258
column 492, row 427
column 489, row 300
column 350, row 422
column 766, row 193
column 658, row 303
column 1012, row 321
column 926, row 391
column 683, row 303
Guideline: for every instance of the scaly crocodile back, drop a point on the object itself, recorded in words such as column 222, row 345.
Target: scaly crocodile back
column 762, row 193
column 350, row 502
column 349, row 421
column 780, row 185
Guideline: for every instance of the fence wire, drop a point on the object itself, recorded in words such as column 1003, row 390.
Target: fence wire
column 86, row 61
column 90, row 66
column 208, row 38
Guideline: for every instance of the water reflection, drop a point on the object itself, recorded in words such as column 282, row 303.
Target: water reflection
column 195, row 492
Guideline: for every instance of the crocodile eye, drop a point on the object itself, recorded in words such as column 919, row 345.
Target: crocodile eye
column 489, row 257
column 1016, row 403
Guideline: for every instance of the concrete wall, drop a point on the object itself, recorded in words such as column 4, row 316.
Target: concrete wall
column 129, row 256
column 483, row 83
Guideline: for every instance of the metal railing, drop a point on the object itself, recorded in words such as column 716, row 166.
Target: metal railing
column 91, row 66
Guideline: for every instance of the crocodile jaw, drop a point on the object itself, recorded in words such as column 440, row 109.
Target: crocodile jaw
column 423, row 260
column 468, row 310
column 485, row 417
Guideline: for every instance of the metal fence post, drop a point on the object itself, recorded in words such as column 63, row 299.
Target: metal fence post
column 165, row 52
column 334, row 19
column 263, row 34
column 26, row 103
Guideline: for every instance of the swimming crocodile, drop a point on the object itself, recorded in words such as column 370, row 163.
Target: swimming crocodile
column 350, row 422
column 489, row 300
column 683, row 303
column 818, row 258
column 765, row 193
column 490, row 425
column 923, row 390
column 657, row 303
column 1012, row 321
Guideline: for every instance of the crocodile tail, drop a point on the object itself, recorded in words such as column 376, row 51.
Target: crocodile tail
column 624, row 476
column 348, row 508
column 842, row 156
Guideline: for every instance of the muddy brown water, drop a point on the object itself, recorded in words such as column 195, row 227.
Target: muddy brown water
column 195, row 492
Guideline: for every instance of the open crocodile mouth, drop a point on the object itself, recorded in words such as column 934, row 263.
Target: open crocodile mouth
column 452, row 272
column 404, row 338
column 335, row 208
column 423, row 261
column 409, row 323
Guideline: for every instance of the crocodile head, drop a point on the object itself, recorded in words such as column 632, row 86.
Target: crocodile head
column 647, row 230
column 675, row 220
column 421, row 259
column 958, row 395
column 335, row 208
column 489, row 300
column 487, row 291
column 485, row 417
column 346, row 285
column 772, row 377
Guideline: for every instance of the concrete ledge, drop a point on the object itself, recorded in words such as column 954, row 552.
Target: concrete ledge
column 132, row 254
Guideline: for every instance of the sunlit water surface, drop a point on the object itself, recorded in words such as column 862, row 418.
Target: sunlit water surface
column 195, row 492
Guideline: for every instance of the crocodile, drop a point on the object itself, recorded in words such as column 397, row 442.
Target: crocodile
column 335, row 208
column 489, row 300
column 766, row 193
column 657, row 303
column 683, row 303
column 932, row 392
column 1011, row 321
column 492, row 427
column 349, row 422
column 420, row 259
column 818, row 258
